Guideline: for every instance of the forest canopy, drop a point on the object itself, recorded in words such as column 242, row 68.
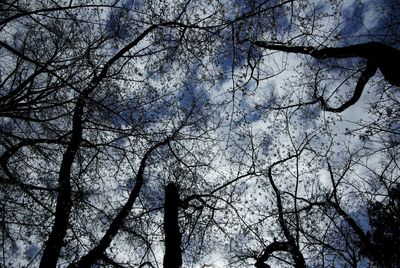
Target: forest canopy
column 199, row 133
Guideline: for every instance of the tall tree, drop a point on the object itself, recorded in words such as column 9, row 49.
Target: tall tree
column 277, row 119
column 173, row 254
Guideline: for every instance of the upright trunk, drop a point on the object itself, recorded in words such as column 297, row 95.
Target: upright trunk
column 173, row 252
column 54, row 243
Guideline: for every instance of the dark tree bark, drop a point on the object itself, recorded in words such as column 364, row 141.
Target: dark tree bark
column 290, row 246
column 365, row 242
column 271, row 248
column 385, row 57
column 64, row 203
column 173, row 252
column 379, row 55
column 54, row 243
column 98, row 251
column 369, row 71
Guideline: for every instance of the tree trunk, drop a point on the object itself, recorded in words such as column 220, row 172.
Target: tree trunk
column 173, row 252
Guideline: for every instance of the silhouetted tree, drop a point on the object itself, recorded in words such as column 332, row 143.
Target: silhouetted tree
column 236, row 133
column 385, row 222
column 173, row 252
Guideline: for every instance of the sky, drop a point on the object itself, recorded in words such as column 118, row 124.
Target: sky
column 235, row 130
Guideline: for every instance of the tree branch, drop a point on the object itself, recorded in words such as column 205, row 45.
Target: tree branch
column 369, row 71
column 386, row 58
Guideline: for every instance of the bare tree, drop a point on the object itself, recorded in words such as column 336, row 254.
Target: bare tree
column 244, row 133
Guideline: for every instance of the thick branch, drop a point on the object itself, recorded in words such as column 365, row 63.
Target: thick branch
column 385, row 57
column 290, row 245
column 271, row 248
column 365, row 242
column 63, row 208
column 97, row 252
column 369, row 71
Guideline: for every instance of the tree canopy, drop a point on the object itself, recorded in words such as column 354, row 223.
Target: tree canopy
column 207, row 133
